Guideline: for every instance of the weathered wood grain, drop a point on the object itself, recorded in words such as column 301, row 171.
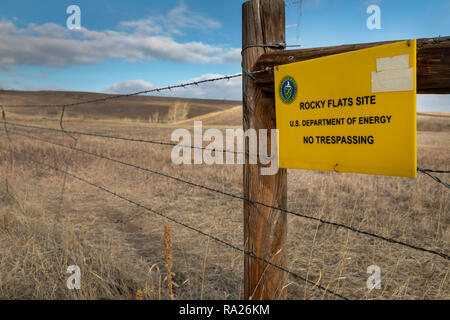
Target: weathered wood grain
column 433, row 62
column 264, row 229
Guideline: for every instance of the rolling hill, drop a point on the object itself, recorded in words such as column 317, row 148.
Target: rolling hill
column 143, row 108
column 135, row 107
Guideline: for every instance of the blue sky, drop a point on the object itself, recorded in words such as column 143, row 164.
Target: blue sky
column 127, row 46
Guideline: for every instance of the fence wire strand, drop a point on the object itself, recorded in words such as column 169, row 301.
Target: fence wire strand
column 424, row 171
column 8, row 139
column 231, row 195
column 433, row 171
column 121, row 96
column 163, row 143
column 216, row 239
column 74, row 147
column 68, row 163
column 435, row 178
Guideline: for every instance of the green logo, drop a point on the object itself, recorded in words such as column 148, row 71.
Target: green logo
column 288, row 90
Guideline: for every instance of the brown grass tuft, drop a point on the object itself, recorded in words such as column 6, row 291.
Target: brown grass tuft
column 168, row 258
column 139, row 295
column 119, row 247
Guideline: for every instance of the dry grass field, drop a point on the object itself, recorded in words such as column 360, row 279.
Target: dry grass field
column 120, row 248
column 141, row 108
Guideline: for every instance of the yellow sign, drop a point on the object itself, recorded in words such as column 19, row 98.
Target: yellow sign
column 350, row 112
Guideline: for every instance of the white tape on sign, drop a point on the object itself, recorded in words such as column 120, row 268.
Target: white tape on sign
column 393, row 80
column 393, row 63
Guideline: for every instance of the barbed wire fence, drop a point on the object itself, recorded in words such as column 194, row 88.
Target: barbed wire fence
column 23, row 130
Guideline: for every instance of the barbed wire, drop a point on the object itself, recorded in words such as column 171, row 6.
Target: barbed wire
column 73, row 147
column 160, row 89
column 281, row 45
column 424, row 171
column 231, row 195
column 438, row 180
column 216, row 239
column 433, row 171
column 163, row 143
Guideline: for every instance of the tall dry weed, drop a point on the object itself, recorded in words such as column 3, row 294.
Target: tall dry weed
column 168, row 258
column 178, row 111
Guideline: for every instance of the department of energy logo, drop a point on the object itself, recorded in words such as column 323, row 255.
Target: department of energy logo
column 288, row 90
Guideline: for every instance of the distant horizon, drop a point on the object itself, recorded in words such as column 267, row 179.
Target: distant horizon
column 122, row 47
column 433, row 109
column 422, row 105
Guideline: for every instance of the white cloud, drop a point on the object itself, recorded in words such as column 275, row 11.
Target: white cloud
column 129, row 86
column 16, row 84
column 176, row 22
column 433, row 102
column 181, row 17
column 224, row 89
column 143, row 26
column 233, row 56
column 145, row 39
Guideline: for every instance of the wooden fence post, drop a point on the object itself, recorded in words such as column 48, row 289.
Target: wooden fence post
column 265, row 230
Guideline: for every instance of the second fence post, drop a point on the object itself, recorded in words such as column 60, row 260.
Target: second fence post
column 265, row 230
